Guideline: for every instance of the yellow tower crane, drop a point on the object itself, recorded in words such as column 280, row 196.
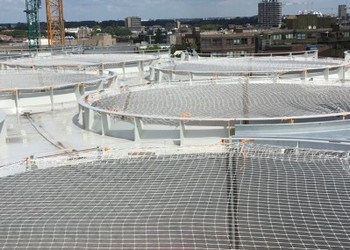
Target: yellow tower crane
column 55, row 22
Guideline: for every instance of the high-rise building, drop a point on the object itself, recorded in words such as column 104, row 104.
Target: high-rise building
column 133, row 23
column 342, row 11
column 270, row 13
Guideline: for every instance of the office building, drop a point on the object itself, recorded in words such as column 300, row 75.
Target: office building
column 270, row 13
column 133, row 23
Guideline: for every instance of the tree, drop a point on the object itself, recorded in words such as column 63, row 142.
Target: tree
column 117, row 31
column 109, row 30
column 211, row 26
column 121, row 31
column 15, row 33
column 158, row 38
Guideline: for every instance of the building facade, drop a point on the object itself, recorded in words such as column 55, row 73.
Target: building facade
column 154, row 35
column 235, row 44
column 342, row 12
column 310, row 21
column 270, row 13
column 100, row 40
column 133, row 23
column 330, row 42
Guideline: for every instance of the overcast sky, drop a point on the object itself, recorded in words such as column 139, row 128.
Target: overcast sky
column 11, row 11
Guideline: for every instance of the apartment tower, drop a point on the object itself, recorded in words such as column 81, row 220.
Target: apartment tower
column 270, row 13
column 342, row 12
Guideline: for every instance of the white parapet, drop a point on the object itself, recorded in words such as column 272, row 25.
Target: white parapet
column 3, row 131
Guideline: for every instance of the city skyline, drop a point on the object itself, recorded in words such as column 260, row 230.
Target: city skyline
column 100, row 10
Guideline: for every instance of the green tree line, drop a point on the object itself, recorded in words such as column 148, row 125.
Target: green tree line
column 116, row 27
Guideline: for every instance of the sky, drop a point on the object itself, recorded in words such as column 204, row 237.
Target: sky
column 11, row 11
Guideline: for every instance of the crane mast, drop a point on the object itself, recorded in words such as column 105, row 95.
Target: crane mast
column 32, row 12
column 55, row 22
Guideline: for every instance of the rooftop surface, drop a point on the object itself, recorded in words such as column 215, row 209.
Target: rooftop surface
column 64, row 187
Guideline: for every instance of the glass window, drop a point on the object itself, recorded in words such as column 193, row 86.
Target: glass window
column 277, row 37
column 229, row 42
column 300, row 36
column 217, row 42
column 205, row 42
column 237, row 41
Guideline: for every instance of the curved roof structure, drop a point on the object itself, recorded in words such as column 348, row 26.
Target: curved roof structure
column 43, row 79
column 230, row 100
column 79, row 61
column 245, row 198
column 292, row 66
column 43, row 89
column 252, row 64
